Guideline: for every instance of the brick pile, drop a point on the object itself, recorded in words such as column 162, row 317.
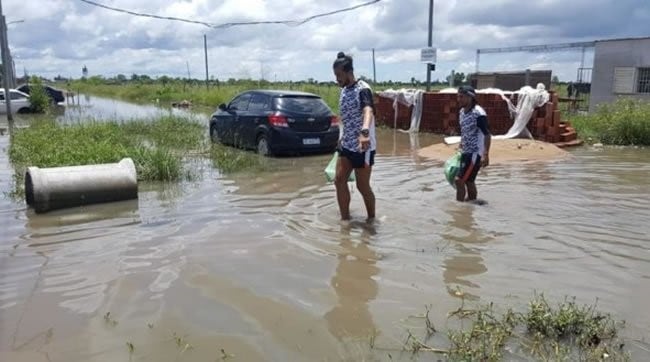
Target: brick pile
column 440, row 115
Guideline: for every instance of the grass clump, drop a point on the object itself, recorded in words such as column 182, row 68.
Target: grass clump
column 593, row 335
column 155, row 146
column 566, row 332
column 228, row 159
column 176, row 90
column 486, row 338
column 624, row 122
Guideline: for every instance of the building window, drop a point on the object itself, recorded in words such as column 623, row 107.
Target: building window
column 643, row 80
column 624, row 80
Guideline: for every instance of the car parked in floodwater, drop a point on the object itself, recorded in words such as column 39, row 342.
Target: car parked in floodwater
column 20, row 102
column 56, row 95
column 276, row 122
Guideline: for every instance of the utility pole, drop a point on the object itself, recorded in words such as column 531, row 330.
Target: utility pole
column 205, row 49
column 430, row 67
column 6, row 65
column 374, row 69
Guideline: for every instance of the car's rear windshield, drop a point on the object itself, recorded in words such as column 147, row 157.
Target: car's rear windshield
column 298, row 104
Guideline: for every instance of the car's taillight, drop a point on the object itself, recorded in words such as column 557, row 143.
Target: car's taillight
column 334, row 122
column 278, row 121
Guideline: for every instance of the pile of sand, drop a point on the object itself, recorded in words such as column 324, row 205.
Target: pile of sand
column 503, row 151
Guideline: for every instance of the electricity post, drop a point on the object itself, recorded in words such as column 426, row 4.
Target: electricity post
column 5, row 65
column 431, row 66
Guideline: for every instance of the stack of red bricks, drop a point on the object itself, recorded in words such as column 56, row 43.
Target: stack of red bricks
column 546, row 125
column 440, row 115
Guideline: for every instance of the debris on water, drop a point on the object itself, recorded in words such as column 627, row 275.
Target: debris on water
column 598, row 145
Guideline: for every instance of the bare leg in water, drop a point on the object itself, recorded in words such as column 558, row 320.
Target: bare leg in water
column 363, row 185
column 472, row 193
column 343, row 171
column 460, row 190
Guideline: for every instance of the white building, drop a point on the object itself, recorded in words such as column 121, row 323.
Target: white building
column 621, row 69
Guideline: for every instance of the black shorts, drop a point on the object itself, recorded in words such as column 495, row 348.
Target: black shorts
column 358, row 159
column 470, row 164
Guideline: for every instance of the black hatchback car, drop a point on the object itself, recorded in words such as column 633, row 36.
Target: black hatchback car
column 276, row 122
column 56, row 95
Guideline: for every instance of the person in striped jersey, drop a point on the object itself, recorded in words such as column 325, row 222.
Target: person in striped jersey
column 474, row 144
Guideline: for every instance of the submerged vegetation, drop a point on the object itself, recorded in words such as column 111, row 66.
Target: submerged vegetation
column 565, row 332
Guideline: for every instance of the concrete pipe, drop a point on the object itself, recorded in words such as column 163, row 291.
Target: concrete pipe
column 62, row 187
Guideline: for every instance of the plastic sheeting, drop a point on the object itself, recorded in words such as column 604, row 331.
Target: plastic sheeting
column 408, row 97
column 528, row 99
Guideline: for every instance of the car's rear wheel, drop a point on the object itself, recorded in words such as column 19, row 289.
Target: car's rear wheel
column 263, row 147
column 214, row 134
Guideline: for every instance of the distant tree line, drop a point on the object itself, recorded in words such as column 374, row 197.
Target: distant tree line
column 165, row 80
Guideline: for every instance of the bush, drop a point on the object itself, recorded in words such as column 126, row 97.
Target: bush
column 624, row 122
column 38, row 97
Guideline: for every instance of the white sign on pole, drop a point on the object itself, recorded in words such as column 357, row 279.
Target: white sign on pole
column 429, row 55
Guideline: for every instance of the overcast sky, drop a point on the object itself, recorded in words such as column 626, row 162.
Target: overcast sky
column 60, row 36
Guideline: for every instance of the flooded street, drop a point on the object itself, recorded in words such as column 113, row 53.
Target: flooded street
column 252, row 267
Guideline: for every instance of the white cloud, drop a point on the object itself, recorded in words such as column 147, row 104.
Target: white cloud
column 59, row 37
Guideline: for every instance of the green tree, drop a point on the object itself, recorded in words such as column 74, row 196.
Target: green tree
column 459, row 79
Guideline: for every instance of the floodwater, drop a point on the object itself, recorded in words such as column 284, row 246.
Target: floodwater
column 257, row 267
column 84, row 107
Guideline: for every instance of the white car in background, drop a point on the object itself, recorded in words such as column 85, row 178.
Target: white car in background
column 19, row 102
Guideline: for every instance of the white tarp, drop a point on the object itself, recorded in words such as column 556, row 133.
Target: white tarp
column 528, row 99
column 408, row 97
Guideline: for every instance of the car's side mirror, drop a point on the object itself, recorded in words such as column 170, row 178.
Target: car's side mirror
column 223, row 107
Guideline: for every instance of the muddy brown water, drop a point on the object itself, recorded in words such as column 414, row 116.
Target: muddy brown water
column 257, row 265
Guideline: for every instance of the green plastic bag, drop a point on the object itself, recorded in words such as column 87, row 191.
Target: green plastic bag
column 452, row 165
column 330, row 171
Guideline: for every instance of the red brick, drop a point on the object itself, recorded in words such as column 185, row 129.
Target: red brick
column 557, row 118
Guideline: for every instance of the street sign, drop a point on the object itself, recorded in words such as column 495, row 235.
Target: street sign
column 429, row 55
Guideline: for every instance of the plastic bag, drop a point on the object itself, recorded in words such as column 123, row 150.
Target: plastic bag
column 330, row 170
column 452, row 165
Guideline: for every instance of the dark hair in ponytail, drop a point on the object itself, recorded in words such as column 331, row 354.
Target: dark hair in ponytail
column 344, row 61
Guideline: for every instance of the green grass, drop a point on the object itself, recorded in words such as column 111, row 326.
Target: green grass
column 156, row 147
column 624, row 122
column 228, row 159
column 176, row 91
column 565, row 332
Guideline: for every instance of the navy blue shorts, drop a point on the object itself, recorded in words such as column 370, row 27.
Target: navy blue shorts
column 358, row 159
column 470, row 164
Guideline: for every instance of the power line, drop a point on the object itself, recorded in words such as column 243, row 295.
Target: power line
column 233, row 24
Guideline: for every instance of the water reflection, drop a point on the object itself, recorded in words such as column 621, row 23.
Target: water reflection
column 354, row 284
column 125, row 210
column 463, row 236
column 92, row 108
